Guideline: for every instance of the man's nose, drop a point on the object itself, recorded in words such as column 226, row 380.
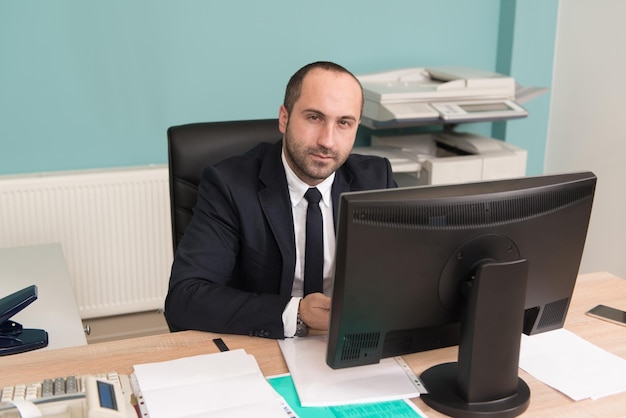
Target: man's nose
column 327, row 136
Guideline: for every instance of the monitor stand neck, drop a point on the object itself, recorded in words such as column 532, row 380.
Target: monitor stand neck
column 484, row 381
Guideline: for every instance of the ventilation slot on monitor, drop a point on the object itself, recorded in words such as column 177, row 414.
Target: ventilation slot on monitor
column 553, row 314
column 530, row 317
column 354, row 343
column 482, row 210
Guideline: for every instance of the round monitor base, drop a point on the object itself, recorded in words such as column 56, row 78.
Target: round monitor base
column 440, row 381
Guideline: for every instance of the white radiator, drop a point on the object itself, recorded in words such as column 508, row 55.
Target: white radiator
column 114, row 227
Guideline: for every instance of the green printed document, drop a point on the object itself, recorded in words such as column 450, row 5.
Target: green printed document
column 392, row 409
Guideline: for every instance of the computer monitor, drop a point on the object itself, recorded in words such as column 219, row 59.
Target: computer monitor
column 473, row 264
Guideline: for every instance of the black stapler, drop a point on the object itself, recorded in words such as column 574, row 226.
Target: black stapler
column 13, row 337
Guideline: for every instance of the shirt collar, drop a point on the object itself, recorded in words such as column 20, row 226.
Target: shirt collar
column 297, row 188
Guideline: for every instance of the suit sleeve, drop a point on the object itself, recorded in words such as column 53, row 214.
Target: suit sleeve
column 207, row 291
column 391, row 182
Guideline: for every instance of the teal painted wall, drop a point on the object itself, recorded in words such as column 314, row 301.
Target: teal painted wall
column 526, row 51
column 96, row 84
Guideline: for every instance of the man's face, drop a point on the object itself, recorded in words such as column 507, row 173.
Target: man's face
column 319, row 134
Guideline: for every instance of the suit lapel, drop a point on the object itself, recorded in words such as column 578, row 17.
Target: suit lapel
column 274, row 200
column 342, row 184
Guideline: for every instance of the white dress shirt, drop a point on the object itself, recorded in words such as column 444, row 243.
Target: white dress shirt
column 297, row 189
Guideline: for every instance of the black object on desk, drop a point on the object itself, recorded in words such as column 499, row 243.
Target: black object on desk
column 221, row 344
column 13, row 337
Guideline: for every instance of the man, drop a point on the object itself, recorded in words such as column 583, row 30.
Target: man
column 240, row 266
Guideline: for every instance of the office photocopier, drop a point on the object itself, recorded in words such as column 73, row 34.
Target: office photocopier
column 443, row 96
column 447, row 158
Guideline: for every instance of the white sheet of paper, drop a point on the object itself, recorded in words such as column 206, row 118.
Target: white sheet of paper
column 572, row 365
column 226, row 384
column 319, row 385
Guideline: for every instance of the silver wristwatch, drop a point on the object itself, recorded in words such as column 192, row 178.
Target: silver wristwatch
column 302, row 329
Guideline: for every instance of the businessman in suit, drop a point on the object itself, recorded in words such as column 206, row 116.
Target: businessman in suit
column 240, row 266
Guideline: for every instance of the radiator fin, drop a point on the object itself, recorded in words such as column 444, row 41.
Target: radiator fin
column 113, row 225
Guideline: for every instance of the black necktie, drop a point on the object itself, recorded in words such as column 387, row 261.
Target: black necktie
column 314, row 246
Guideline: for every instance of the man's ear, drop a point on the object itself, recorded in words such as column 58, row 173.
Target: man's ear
column 283, row 117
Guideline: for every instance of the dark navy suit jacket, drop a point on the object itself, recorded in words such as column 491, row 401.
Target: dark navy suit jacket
column 234, row 268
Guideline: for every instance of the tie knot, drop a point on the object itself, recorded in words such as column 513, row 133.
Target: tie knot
column 313, row 195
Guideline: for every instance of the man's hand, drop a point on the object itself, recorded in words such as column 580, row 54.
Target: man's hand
column 315, row 311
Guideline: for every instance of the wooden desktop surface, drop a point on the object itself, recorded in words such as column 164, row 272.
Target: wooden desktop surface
column 120, row 356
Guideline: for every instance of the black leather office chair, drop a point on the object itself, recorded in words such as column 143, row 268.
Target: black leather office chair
column 191, row 147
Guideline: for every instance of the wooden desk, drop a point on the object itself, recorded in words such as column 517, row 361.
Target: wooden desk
column 121, row 355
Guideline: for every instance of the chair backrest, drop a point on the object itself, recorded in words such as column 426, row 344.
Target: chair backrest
column 191, row 147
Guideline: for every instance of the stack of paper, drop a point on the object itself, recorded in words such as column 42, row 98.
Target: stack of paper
column 403, row 408
column 319, row 385
column 226, row 384
column 572, row 365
